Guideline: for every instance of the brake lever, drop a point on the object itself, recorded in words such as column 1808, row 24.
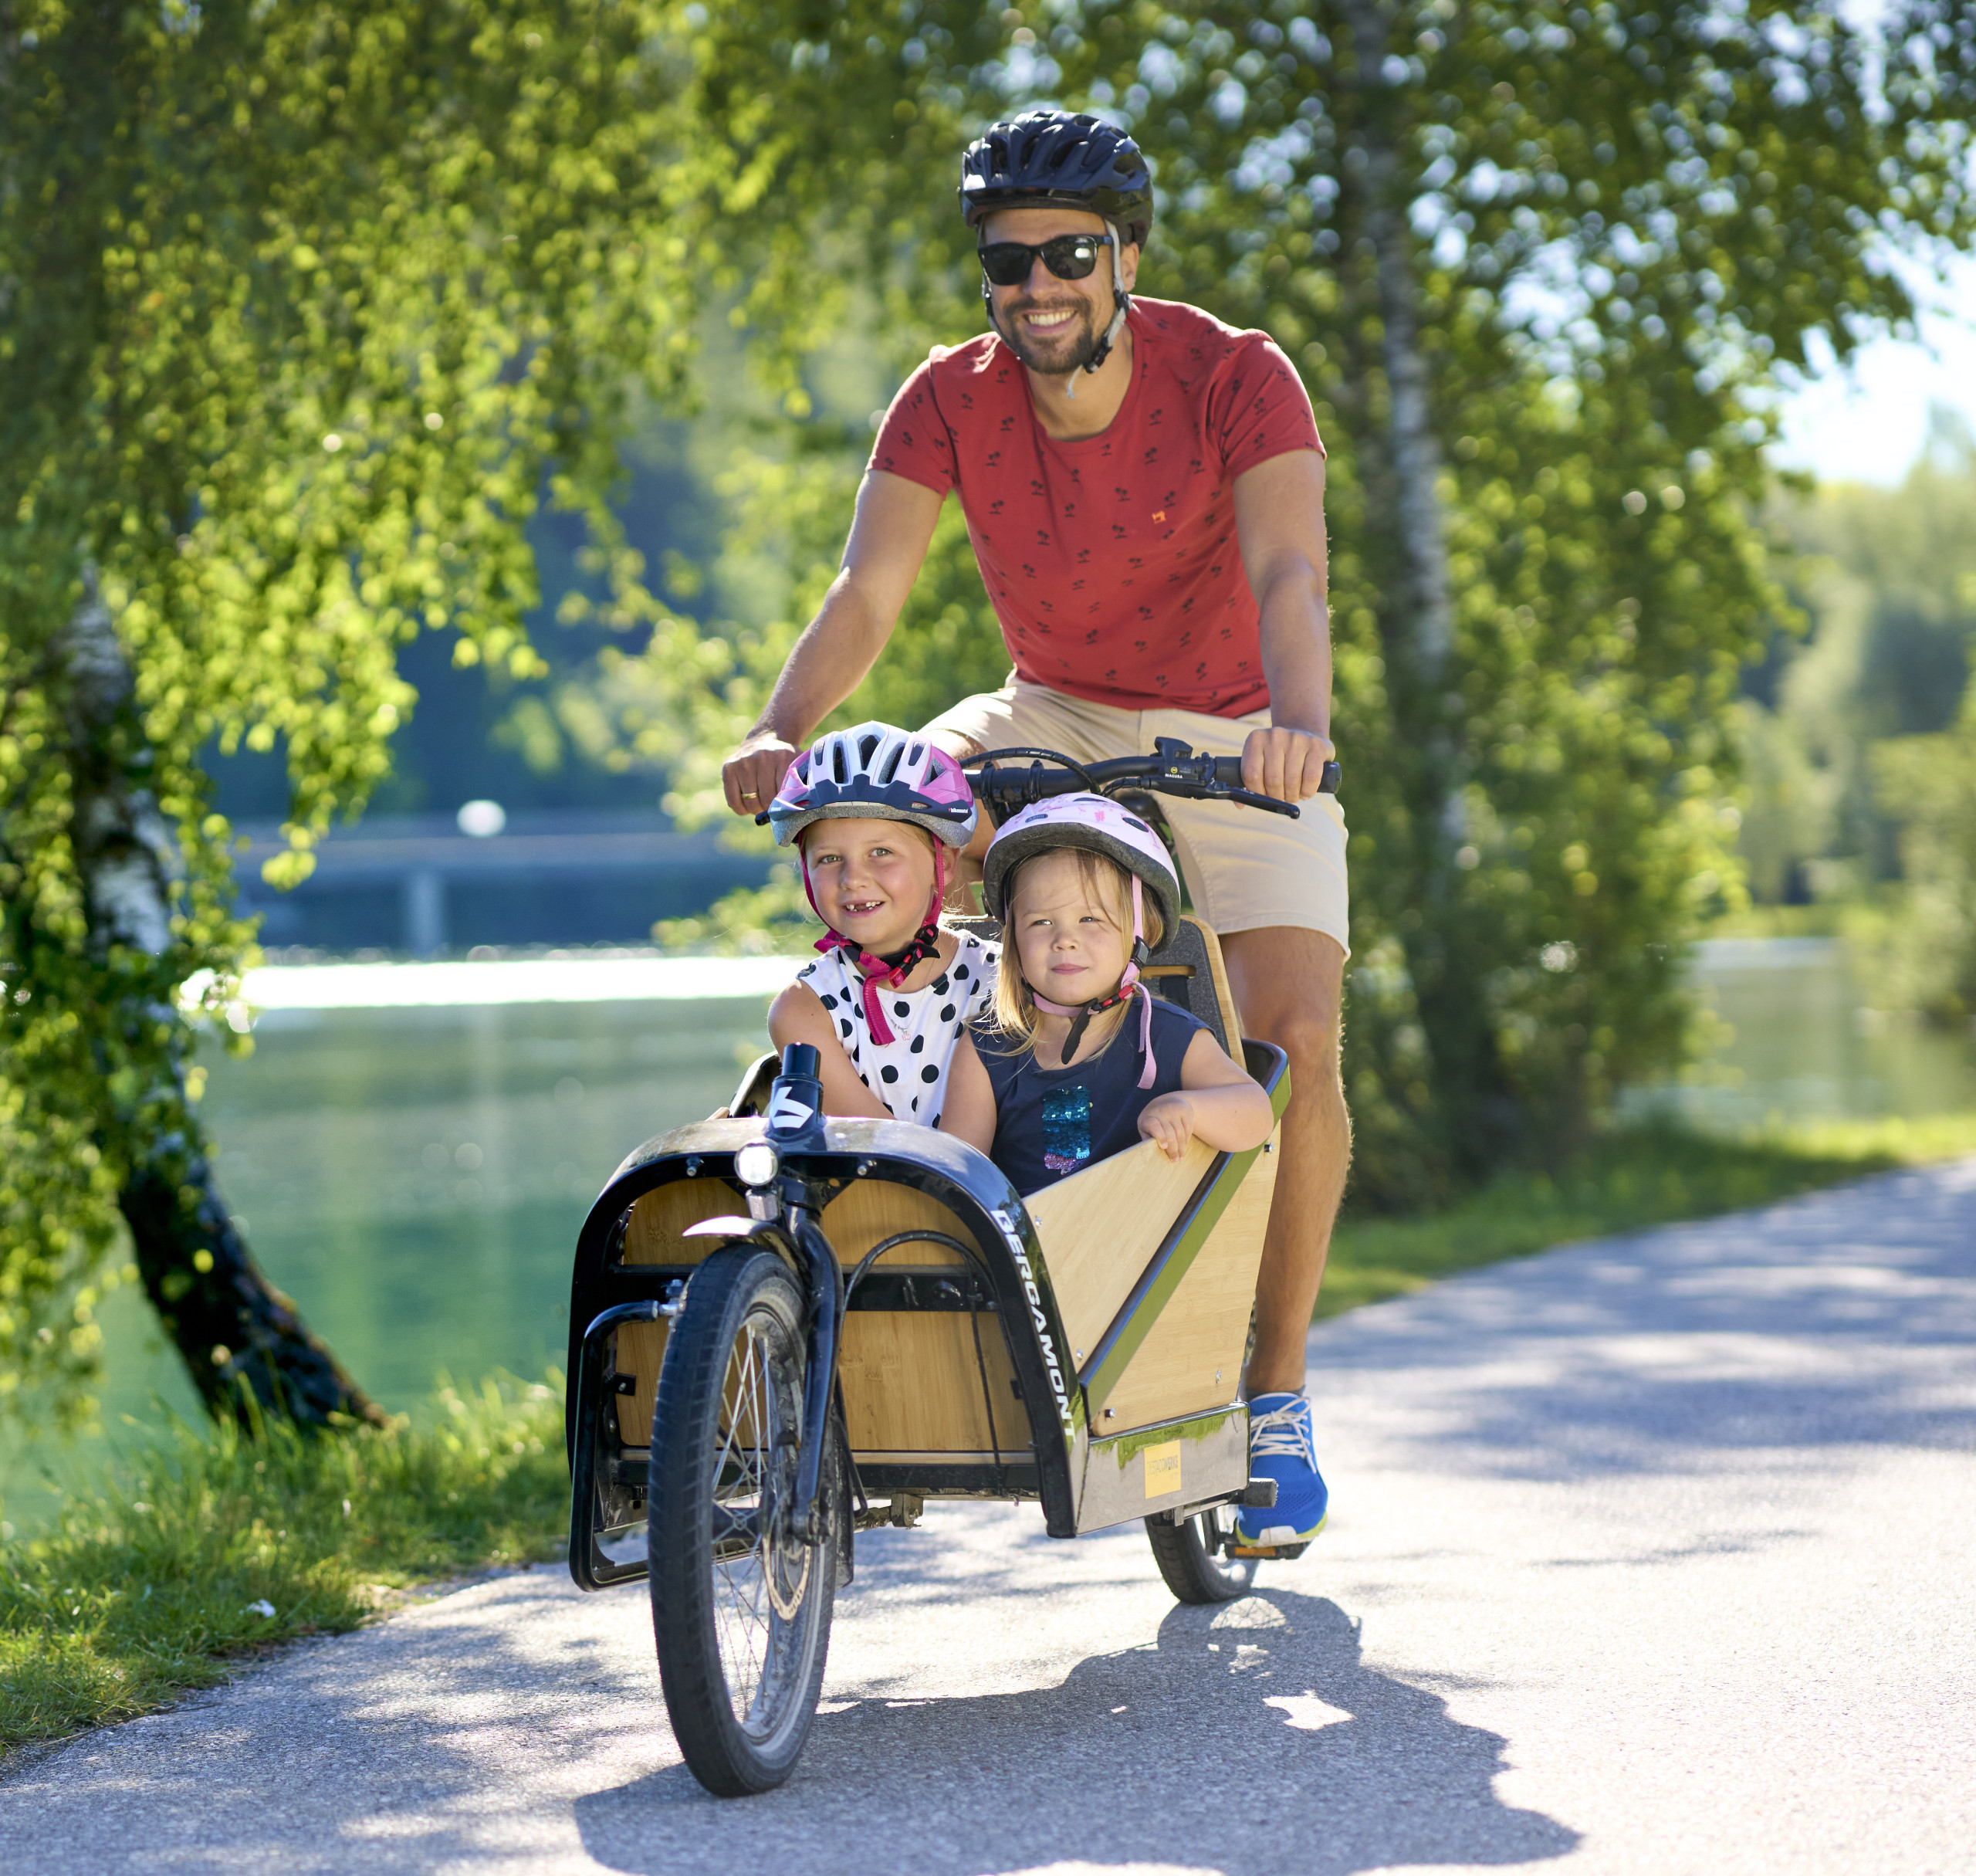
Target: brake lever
column 1267, row 801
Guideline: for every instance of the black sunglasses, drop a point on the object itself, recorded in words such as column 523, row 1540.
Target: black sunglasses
column 1069, row 257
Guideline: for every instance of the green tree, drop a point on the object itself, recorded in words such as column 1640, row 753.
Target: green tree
column 305, row 307
column 1538, row 264
column 1886, row 582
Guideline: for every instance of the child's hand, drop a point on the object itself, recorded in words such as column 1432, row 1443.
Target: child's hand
column 1170, row 1121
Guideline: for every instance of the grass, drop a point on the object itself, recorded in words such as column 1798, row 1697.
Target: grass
column 211, row 1544
column 1639, row 1176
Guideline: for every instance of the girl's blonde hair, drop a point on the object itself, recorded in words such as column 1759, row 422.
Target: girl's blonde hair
column 1110, row 886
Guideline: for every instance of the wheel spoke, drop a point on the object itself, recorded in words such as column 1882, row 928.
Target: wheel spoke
column 759, row 1416
column 741, row 1610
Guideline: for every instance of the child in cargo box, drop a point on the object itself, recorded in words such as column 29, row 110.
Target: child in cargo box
column 874, row 812
column 1043, row 1084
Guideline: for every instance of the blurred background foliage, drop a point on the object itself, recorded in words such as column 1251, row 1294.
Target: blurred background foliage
column 1858, row 731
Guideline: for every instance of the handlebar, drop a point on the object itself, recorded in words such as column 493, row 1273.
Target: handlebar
column 1172, row 768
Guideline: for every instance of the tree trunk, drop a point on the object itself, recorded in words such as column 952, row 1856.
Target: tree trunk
column 1401, row 453
column 236, row 1333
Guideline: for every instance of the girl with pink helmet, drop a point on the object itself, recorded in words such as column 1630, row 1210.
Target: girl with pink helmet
column 1043, row 1084
column 874, row 814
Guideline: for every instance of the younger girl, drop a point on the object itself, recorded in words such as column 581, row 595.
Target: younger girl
column 1064, row 1071
column 873, row 812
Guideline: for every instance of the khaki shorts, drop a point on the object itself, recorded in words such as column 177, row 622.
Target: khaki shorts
column 1243, row 868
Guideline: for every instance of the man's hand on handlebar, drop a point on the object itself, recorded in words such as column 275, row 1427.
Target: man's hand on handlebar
column 751, row 776
column 1287, row 764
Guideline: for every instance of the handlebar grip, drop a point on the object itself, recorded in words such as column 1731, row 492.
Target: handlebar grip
column 1228, row 774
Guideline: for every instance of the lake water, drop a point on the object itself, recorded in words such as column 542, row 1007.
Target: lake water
column 414, row 1176
column 1805, row 1042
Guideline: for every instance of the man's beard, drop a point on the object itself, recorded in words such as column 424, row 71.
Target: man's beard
column 1059, row 361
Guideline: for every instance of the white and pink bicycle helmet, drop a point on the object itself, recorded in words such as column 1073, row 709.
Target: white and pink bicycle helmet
column 877, row 772
column 1088, row 821
column 1099, row 825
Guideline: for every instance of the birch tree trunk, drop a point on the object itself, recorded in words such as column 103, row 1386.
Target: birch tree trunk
column 1401, row 465
column 234, row 1330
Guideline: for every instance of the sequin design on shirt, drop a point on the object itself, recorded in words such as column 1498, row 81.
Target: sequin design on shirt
column 909, row 1073
column 1066, row 1128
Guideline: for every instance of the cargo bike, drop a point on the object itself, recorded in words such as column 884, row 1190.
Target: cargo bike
column 787, row 1328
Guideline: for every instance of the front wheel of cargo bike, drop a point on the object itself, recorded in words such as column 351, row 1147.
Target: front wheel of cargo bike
column 1191, row 1559
column 741, row 1608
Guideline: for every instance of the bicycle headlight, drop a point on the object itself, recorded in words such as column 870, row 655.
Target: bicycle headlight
column 756, row 1164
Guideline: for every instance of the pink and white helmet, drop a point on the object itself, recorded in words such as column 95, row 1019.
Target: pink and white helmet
column 1088, row 820
column 874, row 773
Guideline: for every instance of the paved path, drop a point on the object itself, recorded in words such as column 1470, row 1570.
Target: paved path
column 1654, row 1555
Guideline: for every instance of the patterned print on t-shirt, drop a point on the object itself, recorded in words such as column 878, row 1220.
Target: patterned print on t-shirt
column 1112, row 560
column 909, row 1073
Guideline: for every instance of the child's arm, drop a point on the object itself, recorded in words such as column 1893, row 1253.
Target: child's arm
column 970, row 1112
column 1224, row 1107
column 797, row 1016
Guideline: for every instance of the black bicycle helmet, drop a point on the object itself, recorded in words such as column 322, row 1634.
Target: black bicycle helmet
column 1052, row 159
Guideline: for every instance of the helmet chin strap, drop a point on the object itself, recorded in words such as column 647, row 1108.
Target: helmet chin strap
column 1121, row 300
column 1129, row 985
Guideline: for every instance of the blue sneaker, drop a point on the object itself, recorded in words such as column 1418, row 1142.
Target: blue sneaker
column 1281, row 1448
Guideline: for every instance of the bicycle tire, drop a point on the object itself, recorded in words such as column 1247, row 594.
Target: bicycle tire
column 741, row 1624
column 1192, row 1564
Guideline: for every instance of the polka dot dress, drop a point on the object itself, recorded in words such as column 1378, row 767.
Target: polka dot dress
column 909, row 1073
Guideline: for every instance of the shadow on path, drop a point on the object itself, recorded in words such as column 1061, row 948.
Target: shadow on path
column 1845, row 1319
column 1249, row 1739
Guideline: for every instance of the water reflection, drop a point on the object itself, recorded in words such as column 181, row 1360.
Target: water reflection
column 1809, row 1043
column 414, row 1178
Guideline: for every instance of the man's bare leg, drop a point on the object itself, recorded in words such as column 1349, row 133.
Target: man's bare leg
column 1288, row 985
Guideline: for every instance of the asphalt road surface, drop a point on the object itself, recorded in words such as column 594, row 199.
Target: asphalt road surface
column 1651, row 1555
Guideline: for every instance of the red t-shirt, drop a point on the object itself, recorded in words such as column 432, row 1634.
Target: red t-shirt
column 1111, row 561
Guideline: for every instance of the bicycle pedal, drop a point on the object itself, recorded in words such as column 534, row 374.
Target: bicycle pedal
column 1284, row 1551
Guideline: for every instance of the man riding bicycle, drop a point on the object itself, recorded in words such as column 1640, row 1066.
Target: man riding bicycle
column 1144, row 488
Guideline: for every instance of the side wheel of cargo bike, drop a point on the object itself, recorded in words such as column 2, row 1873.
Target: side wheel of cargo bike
column 787, row 1328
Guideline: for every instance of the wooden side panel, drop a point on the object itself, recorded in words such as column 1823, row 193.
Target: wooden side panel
column 912, row 1384
column 1231, row 1017
column 641, row 1348
column 653, row 1236
column 1191, row 1360
column 854, row 1222
column 868, row 1210
column 1100, row 1228
column 911, row 1380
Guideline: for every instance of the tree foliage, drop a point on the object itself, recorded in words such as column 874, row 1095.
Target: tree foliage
column 305, row 307
column 1538, row 265
column 1860, row 739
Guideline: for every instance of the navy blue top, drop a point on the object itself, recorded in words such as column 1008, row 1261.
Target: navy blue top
column 1050, row 1122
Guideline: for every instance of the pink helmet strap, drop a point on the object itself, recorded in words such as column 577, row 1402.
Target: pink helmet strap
column 882, row 974
column 1080, row 1014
